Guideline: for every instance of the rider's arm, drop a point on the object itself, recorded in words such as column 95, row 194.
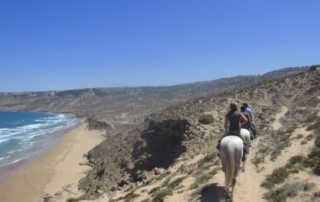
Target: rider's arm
column 243, row 119
column 226, row 122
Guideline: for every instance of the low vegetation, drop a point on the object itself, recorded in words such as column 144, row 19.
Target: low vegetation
column 208, row 159
column 160, row 196
column 279, row 141
column 313, row 161
column 128, row 197
column 315, row 126
column 288, row 190
column 206, row 119
column 277, row 176
column 83, row 197
column 175, row 183
column 316, row 195
column 282, row 142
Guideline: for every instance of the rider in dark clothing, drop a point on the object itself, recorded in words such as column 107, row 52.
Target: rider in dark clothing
column 232, row 125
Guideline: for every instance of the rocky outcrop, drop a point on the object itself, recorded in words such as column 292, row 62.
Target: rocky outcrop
column 94, row 124
column 124, row 158
column 161, row 144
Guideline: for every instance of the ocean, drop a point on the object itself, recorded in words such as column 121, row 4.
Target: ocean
column 25, row 134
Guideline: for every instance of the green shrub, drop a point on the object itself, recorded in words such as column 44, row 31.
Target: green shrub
column 297, row 159
column 317, row 142
column 291, row 128
column 159, row 197
column 175, row 183
column 287, row 190
column 209, row 158
column 128, row 197
column 303, row 142
column 309, row 137
column 279, row 146
column 308, row 186
column 83, row 197
column 260, row 155
column 313, row 161
column 154, row 190
column 277, row 176
column 200, row 178
column 315, row 126
column 311, row 117
column 316, row 194
column 206, row 119
column 276, row 196
column 299, row 136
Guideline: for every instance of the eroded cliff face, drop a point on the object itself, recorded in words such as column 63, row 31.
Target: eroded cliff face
column 125, row 157
column 130, row 158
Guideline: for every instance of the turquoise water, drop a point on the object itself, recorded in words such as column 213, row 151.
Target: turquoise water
column 24, row 134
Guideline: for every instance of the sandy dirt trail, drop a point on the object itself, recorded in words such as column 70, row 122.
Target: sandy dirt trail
column 248, row 187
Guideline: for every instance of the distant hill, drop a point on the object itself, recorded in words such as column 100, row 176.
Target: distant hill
column 126, row 105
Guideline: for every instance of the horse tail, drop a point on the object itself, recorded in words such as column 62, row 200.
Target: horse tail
column 230, row 169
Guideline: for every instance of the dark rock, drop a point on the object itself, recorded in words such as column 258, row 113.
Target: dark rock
column 94, row 124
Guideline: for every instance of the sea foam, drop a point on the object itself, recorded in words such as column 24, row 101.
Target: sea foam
column 23, row 135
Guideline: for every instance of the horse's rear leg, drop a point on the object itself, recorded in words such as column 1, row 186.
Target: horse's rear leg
column 243, row 164
column 234, row 181
column 228, row 195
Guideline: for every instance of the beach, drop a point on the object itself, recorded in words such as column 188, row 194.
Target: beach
column 54, row 172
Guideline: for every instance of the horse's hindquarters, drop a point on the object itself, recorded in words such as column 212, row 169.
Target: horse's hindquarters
column 231, row 151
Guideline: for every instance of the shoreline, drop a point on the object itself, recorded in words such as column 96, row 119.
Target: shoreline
column 55, row 170
column 6, row 170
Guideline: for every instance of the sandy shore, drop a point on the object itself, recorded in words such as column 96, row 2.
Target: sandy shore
column 56, row 170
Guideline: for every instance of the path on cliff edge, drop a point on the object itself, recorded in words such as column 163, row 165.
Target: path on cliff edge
column 248, row 187
column 248, row 183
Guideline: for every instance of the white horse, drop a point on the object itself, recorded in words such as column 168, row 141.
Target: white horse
column 245, row 134
column 231, row 151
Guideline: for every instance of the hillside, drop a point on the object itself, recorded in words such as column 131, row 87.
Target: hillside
column 172, row 157
column 170, row 154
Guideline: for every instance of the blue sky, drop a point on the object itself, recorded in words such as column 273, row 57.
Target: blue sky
column 67, row 44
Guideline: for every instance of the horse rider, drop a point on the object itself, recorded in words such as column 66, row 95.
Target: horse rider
column 250, row 112
column 243, row 111
column 233, row 119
